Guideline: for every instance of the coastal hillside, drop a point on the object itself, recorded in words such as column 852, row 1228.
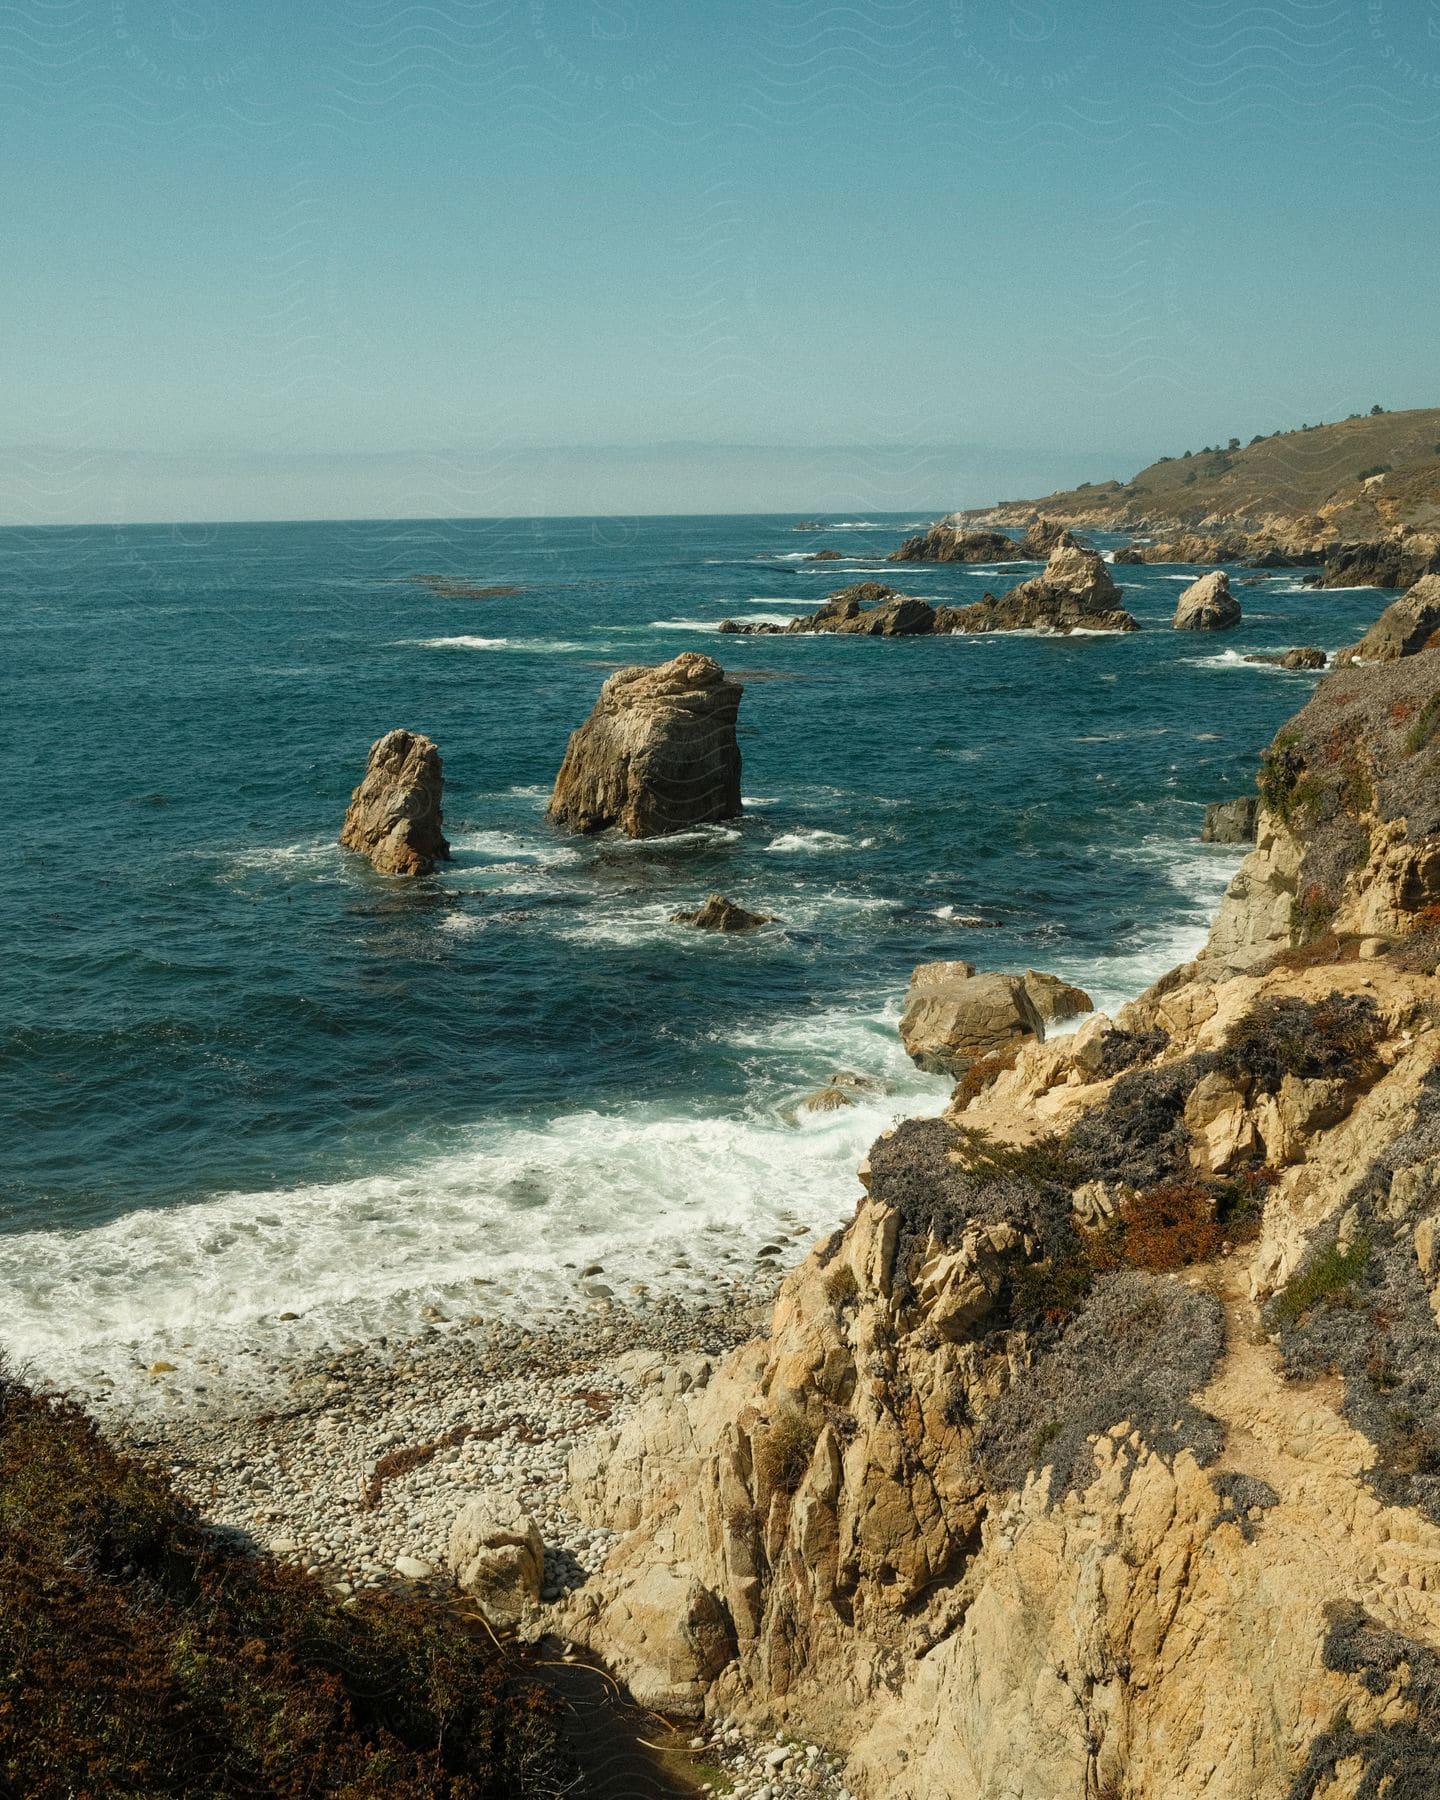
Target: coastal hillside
column 1369, row 473
column 1100, row 1454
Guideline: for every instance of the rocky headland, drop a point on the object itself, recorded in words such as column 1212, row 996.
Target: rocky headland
column 657, row 754
column 1100, row 1453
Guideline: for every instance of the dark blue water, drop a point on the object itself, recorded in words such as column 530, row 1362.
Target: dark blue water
column 213, row 1016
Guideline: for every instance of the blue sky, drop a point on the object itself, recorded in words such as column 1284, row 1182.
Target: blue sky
column 616, row 255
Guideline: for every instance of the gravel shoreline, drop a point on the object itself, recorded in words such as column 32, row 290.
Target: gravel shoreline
column 355, row 1465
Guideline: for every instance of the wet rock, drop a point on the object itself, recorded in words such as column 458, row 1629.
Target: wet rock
column 1307, row 656
column 720, row 914
column 1127, row 555
column 948, row 543
column 394, row 814
column 658, row 753
column 1207, row 605
column 1394, row 562
column 868, row 609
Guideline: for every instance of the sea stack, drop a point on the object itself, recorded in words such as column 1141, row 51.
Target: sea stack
column 658, row 753
column 394, row 814
column 1074, row 592
column 1207, row 605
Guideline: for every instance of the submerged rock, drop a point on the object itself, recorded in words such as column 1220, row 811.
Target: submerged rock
column 1231, row 821
column 954, row 1016
column 720, row 914
column 1207, row 605
column 657, row 754
column 394, row 814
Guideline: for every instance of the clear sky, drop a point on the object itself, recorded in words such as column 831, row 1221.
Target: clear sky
column 356, row 257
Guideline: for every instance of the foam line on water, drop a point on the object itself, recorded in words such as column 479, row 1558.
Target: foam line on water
column 490, row 1226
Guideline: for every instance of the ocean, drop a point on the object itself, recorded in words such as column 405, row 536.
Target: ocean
column 257, row 1100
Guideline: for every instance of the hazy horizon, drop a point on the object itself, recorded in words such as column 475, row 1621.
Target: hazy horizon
column 500, row 259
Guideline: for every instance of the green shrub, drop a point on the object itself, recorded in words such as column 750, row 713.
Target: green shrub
column 1327, row 1278
column 1426, row 724
column 1286, row 788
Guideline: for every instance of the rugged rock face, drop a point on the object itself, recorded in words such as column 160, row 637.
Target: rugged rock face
column 1348, row 834
column 394, row 814
column 1055, row 999
column 1405, row 626
column 1048, row 1439
column 1075, row 592
column 1128, row 555
column 1230, row 821
column 658, row 753
column 1207, row 605
column 954, row 1016
column 720, row 914
column 1392, row 562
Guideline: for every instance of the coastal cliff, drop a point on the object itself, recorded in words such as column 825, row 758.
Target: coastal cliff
column 1097, row 1455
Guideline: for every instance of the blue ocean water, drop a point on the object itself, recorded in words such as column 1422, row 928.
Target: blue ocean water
column 243, row 1075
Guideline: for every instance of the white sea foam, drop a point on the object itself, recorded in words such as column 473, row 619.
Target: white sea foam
column 812, row 840
column 510, row 847
column 488, row 1226
column 529, row 646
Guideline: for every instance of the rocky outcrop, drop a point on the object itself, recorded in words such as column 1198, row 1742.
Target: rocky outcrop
column 953, row 1016
column 1128, row 555
column 1348, row 831
column 720, row 914
column 945, row 543
column 1207, row 605
column 1405, row 626
column 1397, row 561
column 862, row 612
column 1075, row 592
column 658, row 753
column 394, row 815
column 1230, row 821
column 1199, row 548
column 497, row 1557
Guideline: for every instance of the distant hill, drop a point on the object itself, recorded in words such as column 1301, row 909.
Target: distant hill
column 1364, row 475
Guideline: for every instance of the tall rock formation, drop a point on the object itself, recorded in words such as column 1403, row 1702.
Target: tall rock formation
column 394, row 814
column 657, row 754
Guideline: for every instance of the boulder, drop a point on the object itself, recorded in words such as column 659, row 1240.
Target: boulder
column 1231, row 821
column 954, row 1016
column 1207, row 605
column 1404, row 627
column 394, row 814
column 720, row 914
column 1075, row 591
column 1055, row 999
column 825, row 556
column 750, row 628
column 1127, row 554
column 496, row 1554
column 657, row 754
